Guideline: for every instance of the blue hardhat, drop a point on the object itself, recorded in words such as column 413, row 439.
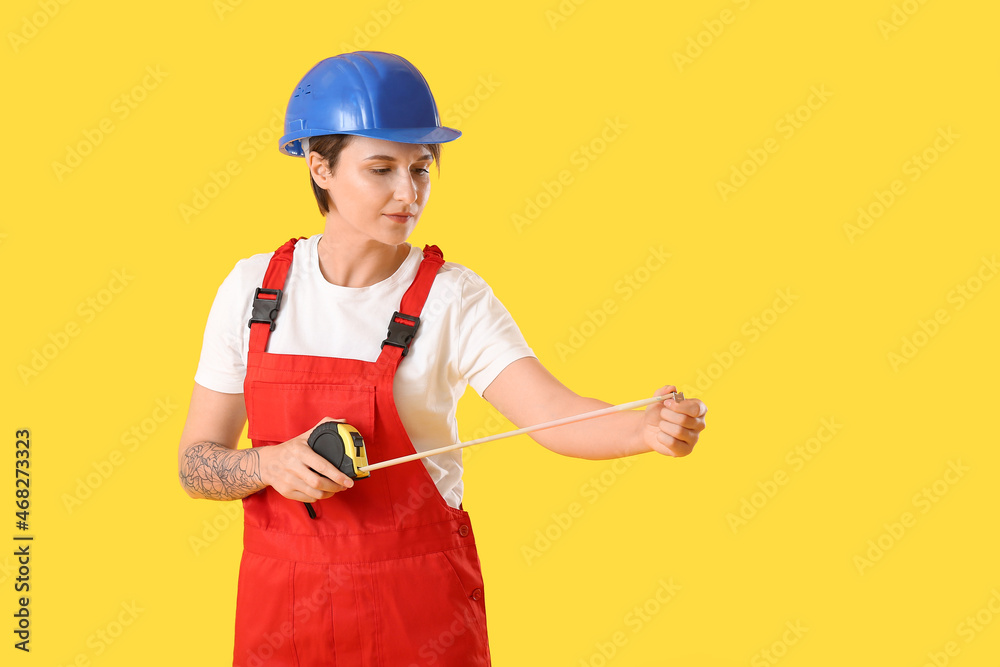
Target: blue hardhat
column 365, row 93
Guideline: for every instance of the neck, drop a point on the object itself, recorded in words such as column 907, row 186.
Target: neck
column 351, row 264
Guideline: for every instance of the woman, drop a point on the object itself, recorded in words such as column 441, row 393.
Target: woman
column 386, row 573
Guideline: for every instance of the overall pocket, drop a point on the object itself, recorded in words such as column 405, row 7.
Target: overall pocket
column 426, row 613
column 277, row 412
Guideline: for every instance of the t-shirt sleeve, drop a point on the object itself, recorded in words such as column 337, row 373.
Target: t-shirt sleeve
column 489, row 339
column 221, row 366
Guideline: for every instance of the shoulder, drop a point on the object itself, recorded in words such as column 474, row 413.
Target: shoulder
column 458, row 282
column 459, row 273
column 248, row 273
column 245, row 276
column 456, row 272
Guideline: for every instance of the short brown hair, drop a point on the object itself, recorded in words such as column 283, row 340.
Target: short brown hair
column 329, row 147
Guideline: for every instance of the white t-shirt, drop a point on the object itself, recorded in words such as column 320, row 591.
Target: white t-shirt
column 466, row 337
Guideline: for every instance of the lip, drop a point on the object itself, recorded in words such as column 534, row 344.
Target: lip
column 399, row 217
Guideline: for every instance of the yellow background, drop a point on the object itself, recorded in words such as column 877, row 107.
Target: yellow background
column 556, row 81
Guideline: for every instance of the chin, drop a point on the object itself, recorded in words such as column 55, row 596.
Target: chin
column 398, row 236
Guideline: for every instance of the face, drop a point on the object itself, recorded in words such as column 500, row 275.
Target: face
column 377, row 191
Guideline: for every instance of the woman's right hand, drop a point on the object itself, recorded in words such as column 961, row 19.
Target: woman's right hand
column 286, row 467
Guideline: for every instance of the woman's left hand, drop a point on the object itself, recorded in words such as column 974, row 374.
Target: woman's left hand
column 672, row 427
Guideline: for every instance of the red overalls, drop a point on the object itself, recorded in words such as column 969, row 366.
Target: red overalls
column 387, row 574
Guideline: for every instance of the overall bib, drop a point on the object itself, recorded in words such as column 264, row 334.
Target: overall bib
column 387, row 575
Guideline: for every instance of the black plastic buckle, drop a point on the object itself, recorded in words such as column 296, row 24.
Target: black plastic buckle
column 265, row 310
column 402, row 329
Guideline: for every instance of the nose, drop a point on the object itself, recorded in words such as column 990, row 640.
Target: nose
column 406, row 189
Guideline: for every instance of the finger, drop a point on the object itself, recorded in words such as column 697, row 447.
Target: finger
column 318, row 481
column 317, row 463
column 311, row 496
column 314, row 486
column 304, row 497
column 325, row 489
column 670, row 446
column 328, row 494
column 665, row 390
column 679, row 418
column 678, row 433
column 689, row 406
column 321, row 472
column 677, row 448
column 298, row 495
column 304, row 468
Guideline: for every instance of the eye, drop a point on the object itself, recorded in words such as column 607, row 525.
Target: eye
column 381, row 170
column 423, row 171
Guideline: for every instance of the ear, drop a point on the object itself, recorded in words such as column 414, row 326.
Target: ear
column 319, row 169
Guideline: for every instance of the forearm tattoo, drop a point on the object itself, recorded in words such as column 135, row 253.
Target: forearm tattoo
column 217, row 472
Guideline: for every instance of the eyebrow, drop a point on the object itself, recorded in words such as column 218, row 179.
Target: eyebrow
column 425, row 156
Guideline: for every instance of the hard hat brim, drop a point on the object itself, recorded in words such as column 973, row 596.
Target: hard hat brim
column 290, row 145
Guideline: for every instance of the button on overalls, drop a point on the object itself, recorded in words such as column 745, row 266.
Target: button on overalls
column 387, row 574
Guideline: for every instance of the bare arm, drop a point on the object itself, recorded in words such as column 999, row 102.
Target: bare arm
column 526, row 393
column 210, row 465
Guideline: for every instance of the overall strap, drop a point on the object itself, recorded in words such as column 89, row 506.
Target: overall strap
column 267, row 298
column 404, row 322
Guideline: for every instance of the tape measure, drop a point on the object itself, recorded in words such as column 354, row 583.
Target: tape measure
column 344, row 447
column 341, row 445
